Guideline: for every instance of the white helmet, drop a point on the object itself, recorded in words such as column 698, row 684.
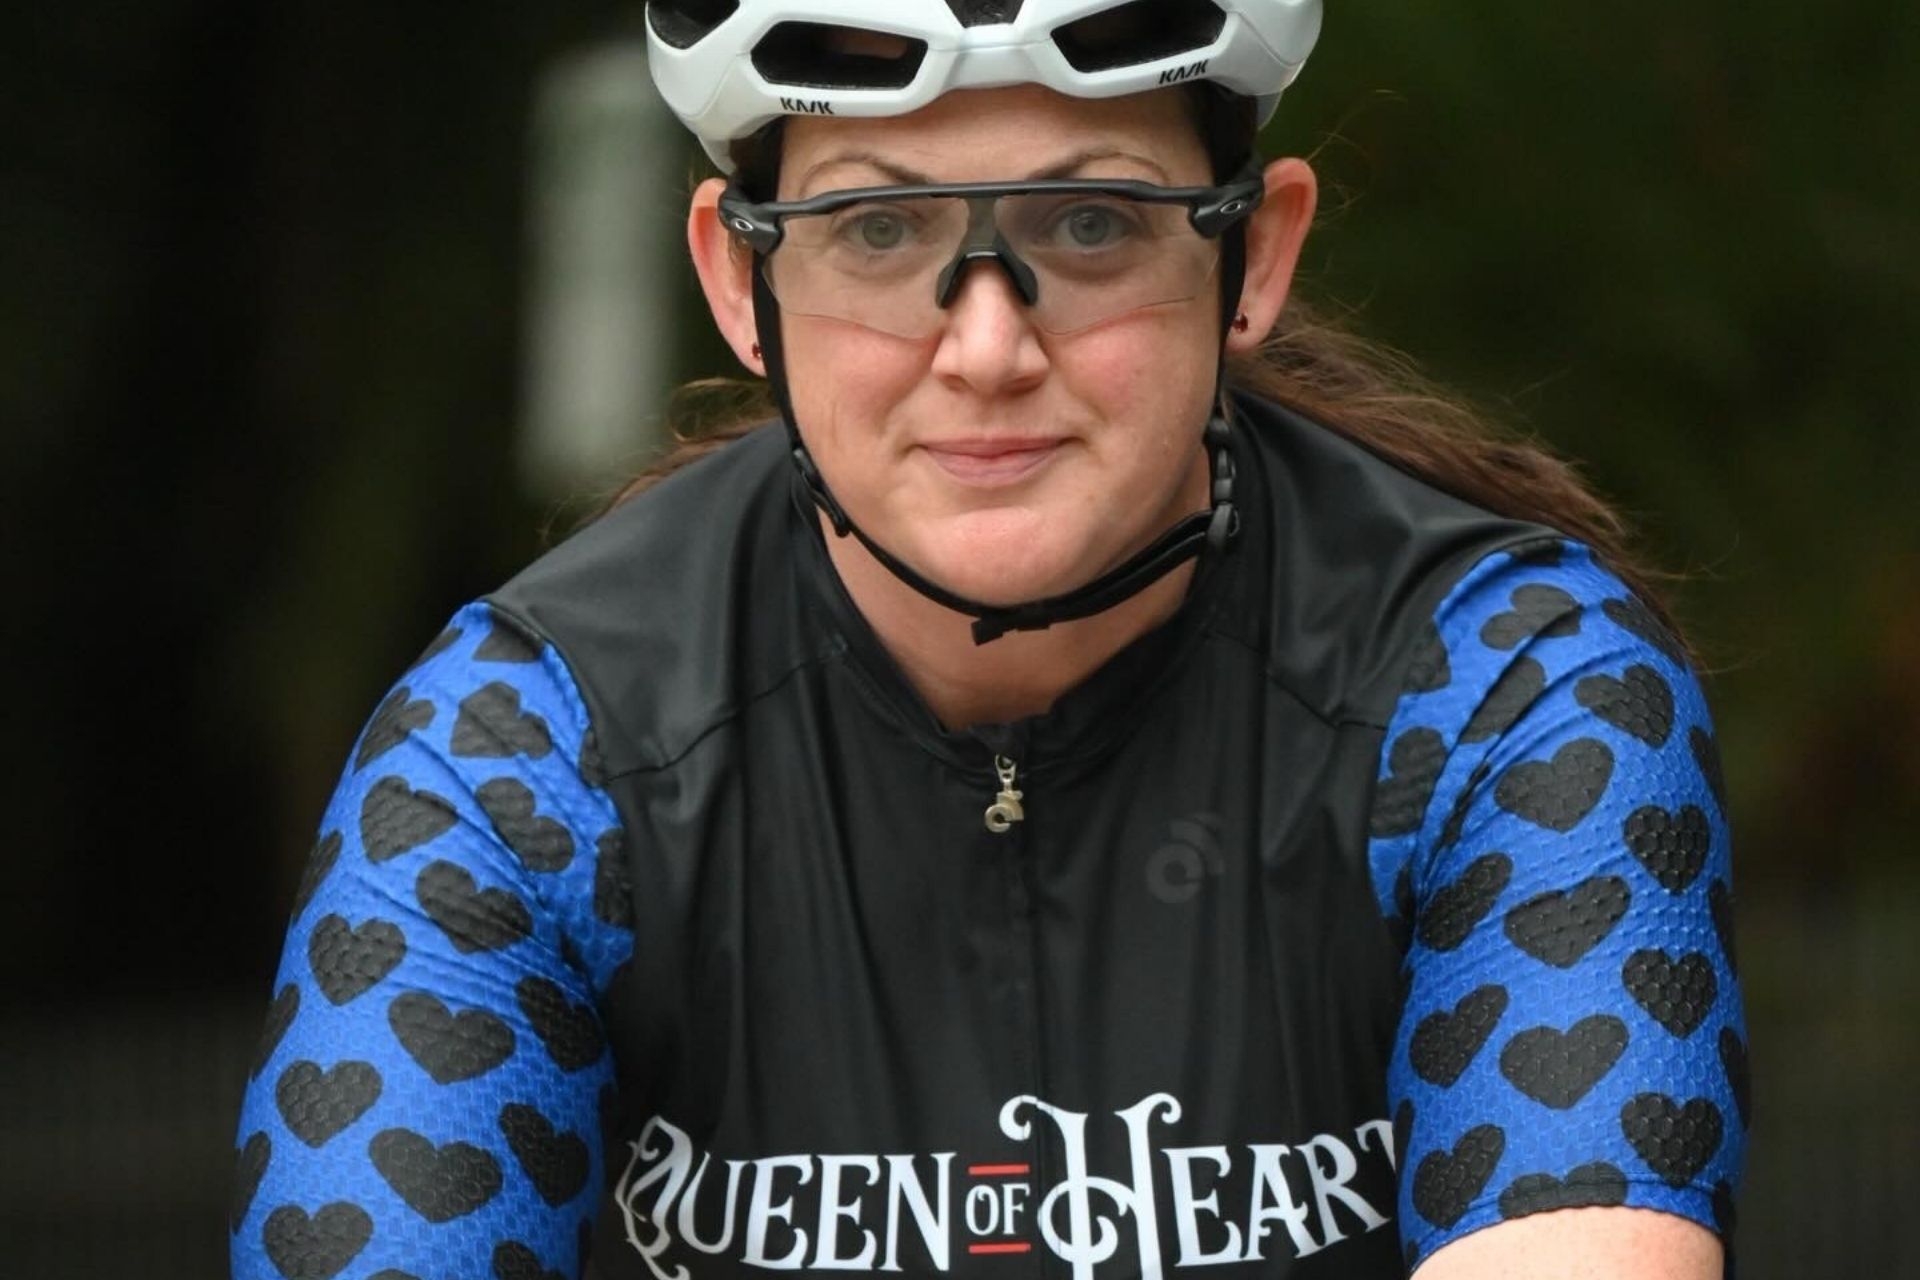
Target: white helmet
column 728, row 67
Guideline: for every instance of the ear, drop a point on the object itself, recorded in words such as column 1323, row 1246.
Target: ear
column 725, row 268
column 1275, row 233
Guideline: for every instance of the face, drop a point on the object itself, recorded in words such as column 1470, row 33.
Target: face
column 1002, row 461
column 1005, row 462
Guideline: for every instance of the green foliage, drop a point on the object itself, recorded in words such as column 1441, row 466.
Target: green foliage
column 1681, row 243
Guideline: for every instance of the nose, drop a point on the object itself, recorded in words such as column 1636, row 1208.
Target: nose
column 989, row 344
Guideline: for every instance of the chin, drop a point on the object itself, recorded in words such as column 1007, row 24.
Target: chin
column 1004, row 558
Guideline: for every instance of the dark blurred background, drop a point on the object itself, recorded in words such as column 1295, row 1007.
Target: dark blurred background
column 319, row 320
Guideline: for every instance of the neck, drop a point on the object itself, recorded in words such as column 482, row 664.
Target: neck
column 1024, row 672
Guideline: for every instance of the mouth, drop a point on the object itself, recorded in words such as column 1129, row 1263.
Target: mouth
column 991, row 462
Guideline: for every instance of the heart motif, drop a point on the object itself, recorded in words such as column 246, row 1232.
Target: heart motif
column 319, row 862
column 250, row 1166
column 395, row 818
column 541, row 844
column 1677, row 994
column 1456, row 910
column 1675, row 1140
column 1639, row 703
column 316, row 1248
column 1630, row 614
column 514, row 1261
column 1444, row 1044
column 1400, row 799
column 556, row 1162
column 438, row 1183
column 318, row 1104
column 1561, row 926
column 1557, row 793
column 491, row 725
column 396, row 717
column 1556, row 1068
column 449, row 1047
column 571, row 1032
column 1429, row 669
column 1538, row 609
column 1733, row 1060
column 1591, row 1184
column 280, row 1015
column 473, row 919
column 1672, row 847
column 1446, row 1182
column 347, row 960
column 1516, row 690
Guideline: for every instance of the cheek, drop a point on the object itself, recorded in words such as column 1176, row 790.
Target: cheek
column 844, row 381
column 1150, row 380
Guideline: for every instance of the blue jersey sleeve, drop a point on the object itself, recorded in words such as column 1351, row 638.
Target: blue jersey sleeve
column 426, row 1099
column 1549, row 827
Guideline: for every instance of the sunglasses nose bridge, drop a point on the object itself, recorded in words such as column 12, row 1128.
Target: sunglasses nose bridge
column 985, row 243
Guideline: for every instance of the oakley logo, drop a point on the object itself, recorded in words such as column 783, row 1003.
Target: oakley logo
column 806, row 106
column 1174, row 75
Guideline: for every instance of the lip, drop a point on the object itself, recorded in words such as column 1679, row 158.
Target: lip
column 992, row 461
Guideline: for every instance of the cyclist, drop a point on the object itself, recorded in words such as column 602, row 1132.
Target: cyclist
column 1106, row 784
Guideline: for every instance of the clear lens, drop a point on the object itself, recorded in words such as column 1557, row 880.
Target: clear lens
column 1094, row 257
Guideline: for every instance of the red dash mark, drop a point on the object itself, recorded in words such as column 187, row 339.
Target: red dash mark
column 1020, row 1247
column 997, row 1170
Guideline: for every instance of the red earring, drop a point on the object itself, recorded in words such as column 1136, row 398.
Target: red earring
column 756, row 351
column 1241, row 324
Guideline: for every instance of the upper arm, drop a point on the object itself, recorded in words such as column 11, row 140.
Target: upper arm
column 1572, row 1034
column 428, row 1090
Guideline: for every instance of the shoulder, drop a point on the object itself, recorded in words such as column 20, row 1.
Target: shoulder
column 676, row 605
column 1353, row 559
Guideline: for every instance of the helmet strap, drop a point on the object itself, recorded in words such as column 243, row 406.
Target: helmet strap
column 1212, row 529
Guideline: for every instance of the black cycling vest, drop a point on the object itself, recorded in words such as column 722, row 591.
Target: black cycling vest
column 1143, row 1030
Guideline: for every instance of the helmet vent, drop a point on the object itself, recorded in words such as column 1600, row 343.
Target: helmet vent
column 1143, row 31
column 984, row 13
column 817, row 55
column 685, row 23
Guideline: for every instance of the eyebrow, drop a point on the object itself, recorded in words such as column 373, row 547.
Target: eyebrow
column 903, row 176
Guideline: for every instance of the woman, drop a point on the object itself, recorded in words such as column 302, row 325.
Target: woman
column 1045, row 808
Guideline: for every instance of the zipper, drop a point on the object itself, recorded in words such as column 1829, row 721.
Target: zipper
column 1006, row 808
column 1005, row 819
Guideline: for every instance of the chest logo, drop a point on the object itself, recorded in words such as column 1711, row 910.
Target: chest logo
column 1173, row 1208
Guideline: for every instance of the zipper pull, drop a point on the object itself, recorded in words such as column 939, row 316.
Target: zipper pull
column 1006, row 808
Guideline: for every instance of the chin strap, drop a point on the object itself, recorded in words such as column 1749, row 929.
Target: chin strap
column 1212, row 529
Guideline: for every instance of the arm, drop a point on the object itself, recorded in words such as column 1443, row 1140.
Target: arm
column 1571, row 1056
column 427, row 1093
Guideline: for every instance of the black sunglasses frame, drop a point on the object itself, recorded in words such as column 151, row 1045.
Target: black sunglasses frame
column 1210, row 210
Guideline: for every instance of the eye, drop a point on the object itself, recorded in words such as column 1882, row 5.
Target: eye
column 1092, row 226
column 874, row 230
column 1087, row 227
column 882, row 231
